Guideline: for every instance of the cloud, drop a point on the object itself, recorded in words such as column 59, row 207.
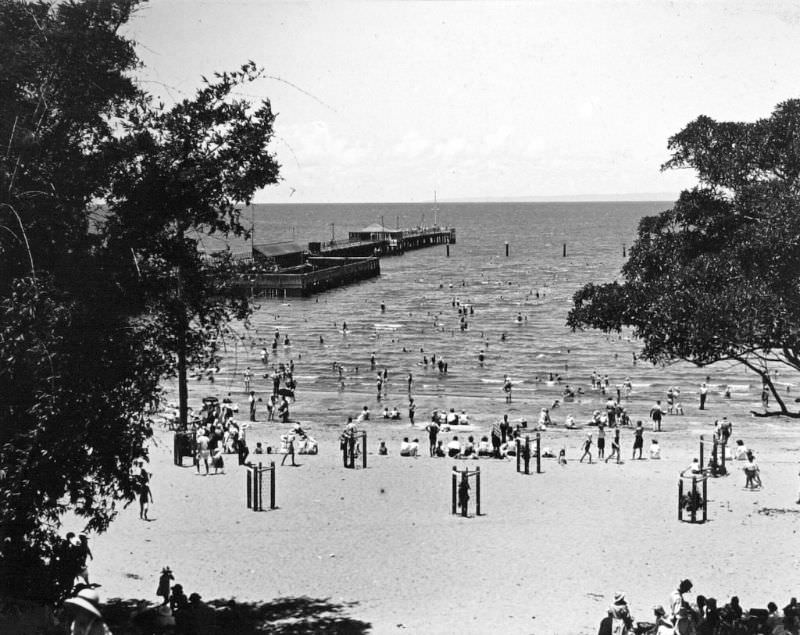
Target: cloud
column 411, row 146
column 313, row 143
column 449, row 148
column 495, row 140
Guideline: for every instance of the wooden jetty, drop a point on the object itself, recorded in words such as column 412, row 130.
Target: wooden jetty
column 315, row 275
column 377, row 240
column 287, row 269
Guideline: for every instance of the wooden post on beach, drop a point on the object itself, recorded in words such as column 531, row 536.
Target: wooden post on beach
column 364, row 450
column 705, row 499
column 702, row 464
column 623, row 250
column 506, row 249
column 564, row 251
column 249, row 488
column 259, row 490
column 538, row 453
column 680, row 499
column 455, row 487
column 447, row 247
column 694, row 499
column 272, row 485
column 722, row 451
column 477, row 491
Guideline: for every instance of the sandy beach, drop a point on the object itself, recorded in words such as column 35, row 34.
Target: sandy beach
column 546, row 556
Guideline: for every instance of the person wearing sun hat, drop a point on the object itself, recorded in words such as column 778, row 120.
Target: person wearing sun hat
column 622, row 622
column 163, row 584
column 85, row 616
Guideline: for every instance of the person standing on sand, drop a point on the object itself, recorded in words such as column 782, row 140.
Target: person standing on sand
column 412, row 408
column 203, row 452
column 289, row 450
column 703, row 394
column 252, row 400
column 601, row 440
column 655, row 414
column 145, row 495
column 163, row 590
column 248, row 376
column 638, row 440
column 614, row 447
column 433, row 433
column 505, row 429
column 507, row 388
column 587, row 448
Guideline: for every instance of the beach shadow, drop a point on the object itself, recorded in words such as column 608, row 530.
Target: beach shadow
column 283, row 616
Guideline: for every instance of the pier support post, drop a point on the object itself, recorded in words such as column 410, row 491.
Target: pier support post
column 506, row 249
column 564, row 251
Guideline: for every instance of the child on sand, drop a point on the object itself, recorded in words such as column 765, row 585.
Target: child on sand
column 614, row 447
column 655, row 449
column 587, row 448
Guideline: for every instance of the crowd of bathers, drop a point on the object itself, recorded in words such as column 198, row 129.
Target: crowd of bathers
column 701, row 615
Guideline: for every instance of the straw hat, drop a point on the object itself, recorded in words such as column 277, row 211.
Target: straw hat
column 619, row 598
column 87, row 600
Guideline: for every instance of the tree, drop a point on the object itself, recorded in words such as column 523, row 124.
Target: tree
column 97, row 303
column 182, row 173
column 715, row 277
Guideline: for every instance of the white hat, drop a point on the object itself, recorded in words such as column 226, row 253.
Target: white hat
column 87, row 599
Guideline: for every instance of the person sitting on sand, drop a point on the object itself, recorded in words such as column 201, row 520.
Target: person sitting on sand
column 394, row 414
column 409, row 448
column 438, row 451
column 569, row 423
column 544, row 419
column 562, row 456
column 452, row 418
column 510, row 447
column 655, row 449
column 662, row 625
column 386, row 412
column 463, row 419
column 382, row 449
column 307, row 445
column 363, row 415
column 740, row 452
column 693, row 469
column 453, row 448
column 468, row 449
column 484, row 447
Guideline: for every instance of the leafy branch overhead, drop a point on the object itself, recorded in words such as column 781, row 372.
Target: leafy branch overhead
column 100, row 302
column 715, row 277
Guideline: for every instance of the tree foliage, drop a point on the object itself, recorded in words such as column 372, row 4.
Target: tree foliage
column 715, row 277
column 99, row 303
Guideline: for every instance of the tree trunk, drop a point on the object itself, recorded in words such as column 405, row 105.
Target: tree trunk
column 183, row 388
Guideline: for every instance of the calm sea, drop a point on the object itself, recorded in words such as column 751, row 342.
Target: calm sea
column 422, row 289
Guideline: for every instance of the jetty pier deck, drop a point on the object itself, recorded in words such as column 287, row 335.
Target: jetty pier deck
column 383, row 241
column 318, row 274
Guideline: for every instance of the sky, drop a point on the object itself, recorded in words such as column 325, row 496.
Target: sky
column 392, row 101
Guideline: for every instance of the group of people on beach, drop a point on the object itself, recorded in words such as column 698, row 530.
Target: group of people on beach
column 701, row 616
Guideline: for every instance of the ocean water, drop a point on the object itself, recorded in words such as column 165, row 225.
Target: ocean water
column 519, row 305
